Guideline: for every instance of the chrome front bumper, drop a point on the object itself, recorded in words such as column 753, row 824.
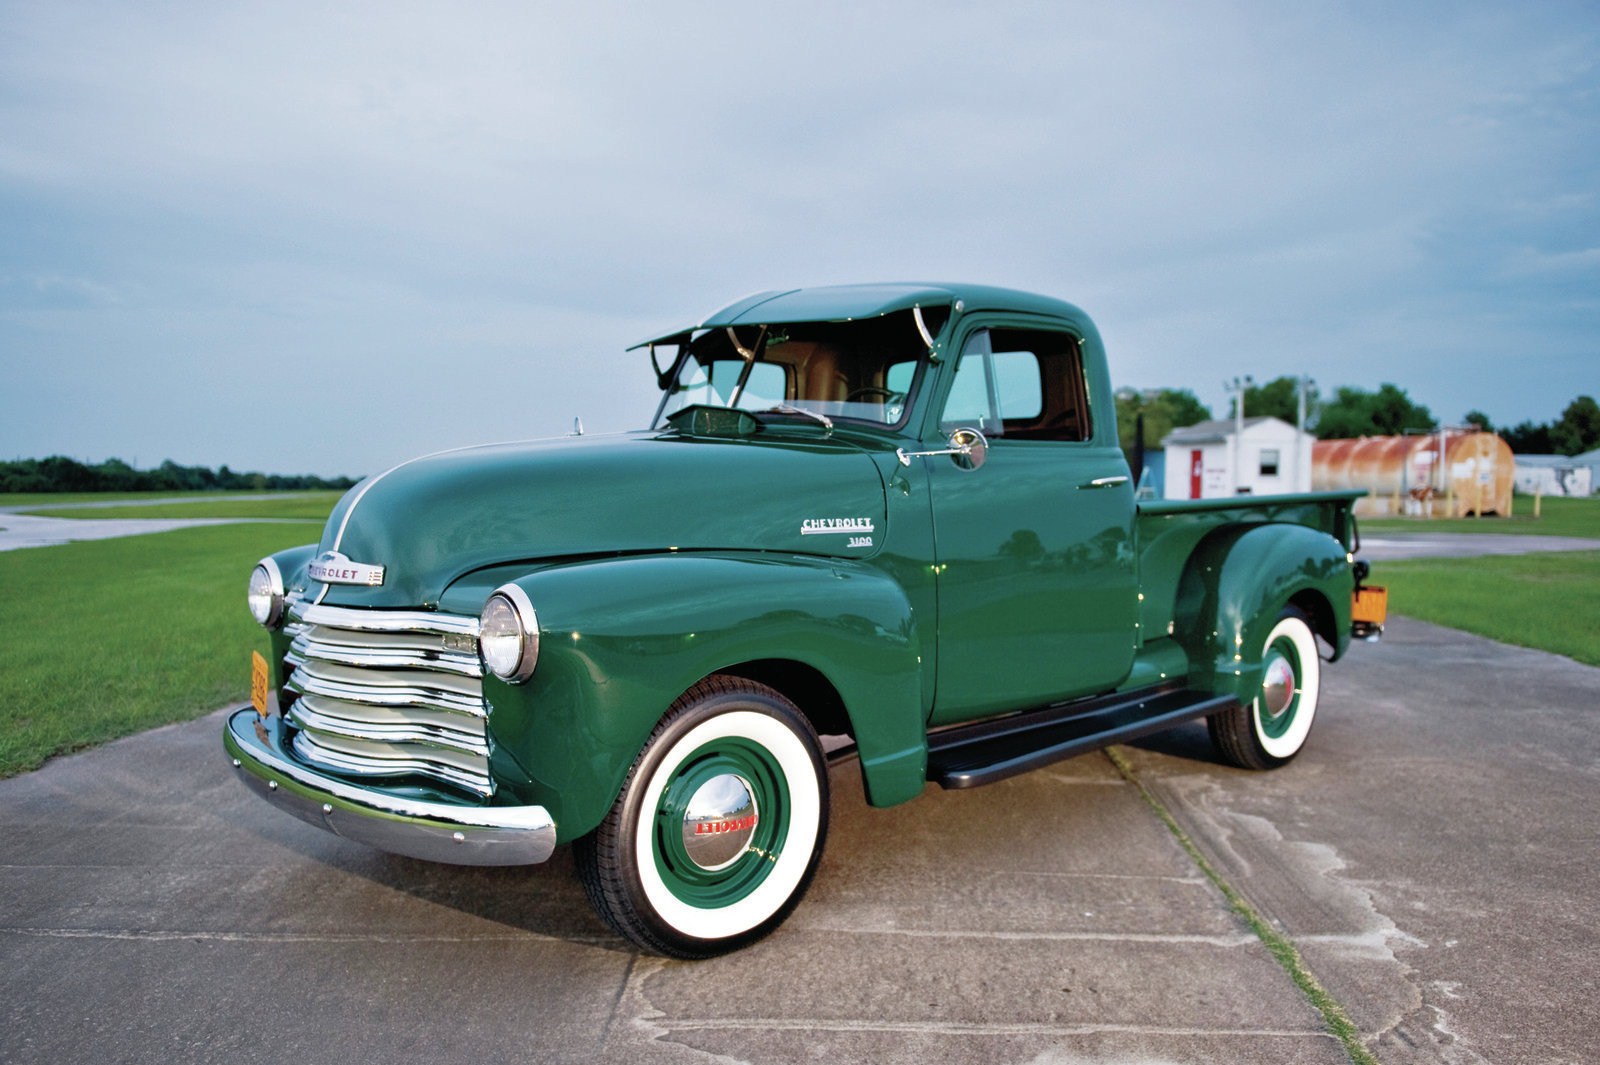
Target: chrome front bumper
column 433, row 831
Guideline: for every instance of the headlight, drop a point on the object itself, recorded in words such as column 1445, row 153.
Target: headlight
column 266, row 593
column 508, row 634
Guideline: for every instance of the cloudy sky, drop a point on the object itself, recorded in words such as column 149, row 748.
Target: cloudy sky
column 326, row 237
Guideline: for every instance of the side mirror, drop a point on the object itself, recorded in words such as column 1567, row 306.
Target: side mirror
column 968, row 450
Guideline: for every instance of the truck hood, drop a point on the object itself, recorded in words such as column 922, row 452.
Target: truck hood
column 430, row 521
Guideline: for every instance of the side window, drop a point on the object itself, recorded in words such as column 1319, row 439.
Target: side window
column 1023, row 384
column 1017, row 380
column 972, row 401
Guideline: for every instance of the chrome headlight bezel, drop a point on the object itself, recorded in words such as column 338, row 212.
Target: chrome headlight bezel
column 508, row 634
column 265, row 595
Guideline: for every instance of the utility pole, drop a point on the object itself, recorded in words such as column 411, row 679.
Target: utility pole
column 1237, row 387
column 1306, row 383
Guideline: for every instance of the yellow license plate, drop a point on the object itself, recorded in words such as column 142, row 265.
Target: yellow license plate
column 258, row 683
column 1371, row 605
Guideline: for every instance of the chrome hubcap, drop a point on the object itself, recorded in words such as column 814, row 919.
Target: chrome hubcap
column 1278, row 688
column 719, row 821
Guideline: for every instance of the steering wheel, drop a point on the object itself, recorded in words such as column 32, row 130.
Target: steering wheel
column 893, row 402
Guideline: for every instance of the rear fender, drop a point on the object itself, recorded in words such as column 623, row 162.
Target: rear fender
column 1236, row 584
column 621, row 639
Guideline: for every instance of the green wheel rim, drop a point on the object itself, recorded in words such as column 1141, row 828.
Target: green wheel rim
column 710, row 889
column 1275, row 726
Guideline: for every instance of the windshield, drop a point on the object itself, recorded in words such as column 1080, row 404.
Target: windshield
column 863, row 371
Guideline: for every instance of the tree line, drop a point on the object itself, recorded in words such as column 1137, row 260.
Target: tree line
column 61, row 474
column 1351, row 412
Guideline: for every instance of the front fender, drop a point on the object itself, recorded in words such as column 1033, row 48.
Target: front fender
column 1236, row 584
column 621, row 638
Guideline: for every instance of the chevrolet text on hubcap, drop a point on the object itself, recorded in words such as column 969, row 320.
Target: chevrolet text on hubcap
column 719, row 822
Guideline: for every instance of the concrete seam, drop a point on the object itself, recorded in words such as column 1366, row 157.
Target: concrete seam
column 1034, row 936
column 616, row 1002
column 809, row 1024
column 162, row 935
column 1278, row 945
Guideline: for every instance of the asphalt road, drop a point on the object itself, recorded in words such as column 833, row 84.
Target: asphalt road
column 19, row 530
column 1432, row 854
column 25, row 530
column 1400, row 545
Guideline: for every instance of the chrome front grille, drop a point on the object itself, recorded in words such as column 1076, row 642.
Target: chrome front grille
column 388, row 694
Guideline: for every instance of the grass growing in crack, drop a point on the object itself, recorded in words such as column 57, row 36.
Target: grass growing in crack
column 1277, row 944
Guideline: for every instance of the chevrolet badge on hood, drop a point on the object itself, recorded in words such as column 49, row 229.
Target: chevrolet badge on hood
column 331, row 567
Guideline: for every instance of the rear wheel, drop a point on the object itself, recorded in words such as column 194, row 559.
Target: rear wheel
column 1273, row 728
column 718, row 828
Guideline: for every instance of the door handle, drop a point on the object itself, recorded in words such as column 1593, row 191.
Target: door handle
column 1105, row 482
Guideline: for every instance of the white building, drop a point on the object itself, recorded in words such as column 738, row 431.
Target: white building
column 1556, row 475
column 1211, row 460
column 1590, row 460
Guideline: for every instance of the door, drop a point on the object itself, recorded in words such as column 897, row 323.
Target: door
column 1034, row 548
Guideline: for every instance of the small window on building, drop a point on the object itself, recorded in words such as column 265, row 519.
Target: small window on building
column 1269, row 462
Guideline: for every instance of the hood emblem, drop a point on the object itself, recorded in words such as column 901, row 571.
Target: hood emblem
column 331, row 567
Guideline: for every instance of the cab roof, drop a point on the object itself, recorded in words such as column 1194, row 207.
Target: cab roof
column 843, row 303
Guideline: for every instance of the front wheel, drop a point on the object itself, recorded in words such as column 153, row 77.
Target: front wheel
column 718, row 828
column 1273, row 727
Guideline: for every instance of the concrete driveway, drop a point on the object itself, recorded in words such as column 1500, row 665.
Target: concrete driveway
column 18, row 530
column 1388, row 546
column 26, row 530
column 1431, row 854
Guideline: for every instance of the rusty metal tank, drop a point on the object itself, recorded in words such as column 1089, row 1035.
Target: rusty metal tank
column 1403, row 474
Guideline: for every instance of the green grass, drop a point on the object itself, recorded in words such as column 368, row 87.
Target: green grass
column 1558, row 516
column 105, row 638
column 1547, row 600
column 307, row 505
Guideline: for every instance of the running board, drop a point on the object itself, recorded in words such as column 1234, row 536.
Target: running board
column 968, row 756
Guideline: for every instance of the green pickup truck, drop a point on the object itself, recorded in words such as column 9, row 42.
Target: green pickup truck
column 881, row 522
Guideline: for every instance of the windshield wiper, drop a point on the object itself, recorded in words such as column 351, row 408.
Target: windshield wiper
column 827, row 422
